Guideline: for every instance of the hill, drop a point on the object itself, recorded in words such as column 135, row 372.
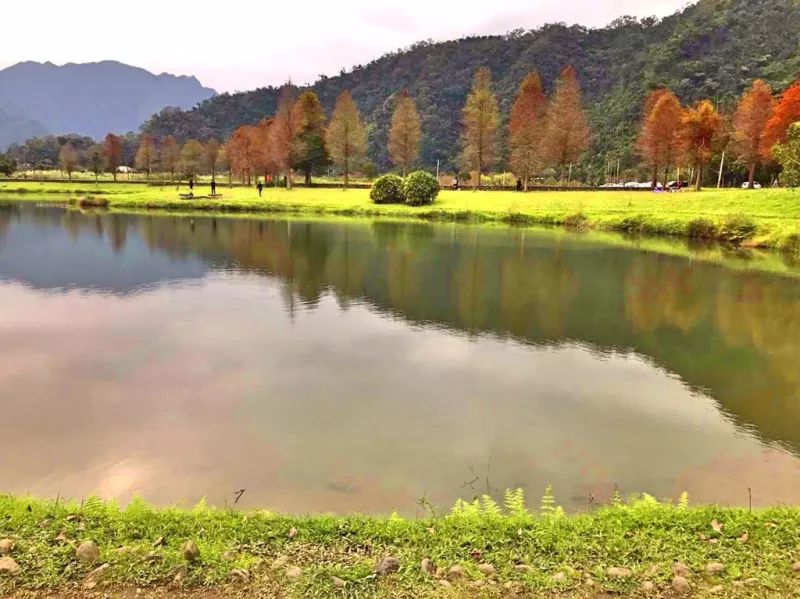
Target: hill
column 88, row 99
column 710, row 49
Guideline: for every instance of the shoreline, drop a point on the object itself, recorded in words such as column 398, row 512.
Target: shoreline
column 735, row 217
column 638, row 548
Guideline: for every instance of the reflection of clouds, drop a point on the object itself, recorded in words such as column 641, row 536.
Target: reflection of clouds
column 203, row 389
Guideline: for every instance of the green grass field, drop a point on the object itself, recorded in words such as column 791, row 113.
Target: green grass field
column 758, row 218
column 634, row 549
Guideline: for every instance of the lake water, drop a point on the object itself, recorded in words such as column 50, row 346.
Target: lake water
column 336, row 365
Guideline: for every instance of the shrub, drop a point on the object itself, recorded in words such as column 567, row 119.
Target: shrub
column 791, row 244
column 737, row 229
column 420, row 189
column 388, row 189
column 93, row 202
column 576, row 221
column 701, row 228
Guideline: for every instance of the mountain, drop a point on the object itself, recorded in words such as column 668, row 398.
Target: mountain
column 713, row 48
column 15, row 126
column 89, row 99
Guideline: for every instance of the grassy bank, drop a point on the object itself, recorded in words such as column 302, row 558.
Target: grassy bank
column 758, row 218
column 641, row 548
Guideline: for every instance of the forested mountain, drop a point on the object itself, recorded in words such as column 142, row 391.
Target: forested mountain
column 714, row 49
column 87, row 99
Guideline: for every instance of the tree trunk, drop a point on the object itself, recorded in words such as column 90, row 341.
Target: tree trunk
column 288, row 178
column 308, row 176
column 655, row 176
column 525, row 186
column 751, row 175
column 346, row 172
column 114, row 174
column 699, row 176
column 479, row 177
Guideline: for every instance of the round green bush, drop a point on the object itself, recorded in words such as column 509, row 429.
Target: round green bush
column 420, row 189
column 387, row 189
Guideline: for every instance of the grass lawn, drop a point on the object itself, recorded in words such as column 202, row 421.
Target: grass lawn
column 759, row 218
column 636, row 549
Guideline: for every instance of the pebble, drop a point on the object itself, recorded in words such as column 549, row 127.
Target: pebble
column 8, row 566
column 796, row 567
column 716, row 590
column 387, row 565
column 293, row 572
column 486, row 569
column 455, row 571
column 681, row 585
column 240, row 575
column 618, row 572
column 152, row 556
column 444, row 583
column 6, row 546
column 715, row 568
column 338, row 582
column 229, row 556
column 427, row 566
column 648, row 586
column 180, row 570
column 523, row 568
column 88, row 552
column 559, row 577
column 680, row 569
column 751, row 582
column 280, row 562
column 477, row 583
column 190, row 551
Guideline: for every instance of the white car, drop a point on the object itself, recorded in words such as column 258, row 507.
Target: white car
column 745, row 185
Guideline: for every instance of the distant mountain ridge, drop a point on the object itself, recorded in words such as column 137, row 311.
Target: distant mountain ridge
column 88, row 99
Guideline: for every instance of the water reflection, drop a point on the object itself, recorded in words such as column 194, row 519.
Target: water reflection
column 357, row 365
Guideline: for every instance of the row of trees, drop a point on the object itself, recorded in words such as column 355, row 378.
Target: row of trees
column 671, row 134
column 542, row 134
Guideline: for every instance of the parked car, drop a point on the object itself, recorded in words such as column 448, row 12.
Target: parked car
column 632, row 184
column 677, row 184
column 755, row 185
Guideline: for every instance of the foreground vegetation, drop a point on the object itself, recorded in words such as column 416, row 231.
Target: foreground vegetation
column 767, row 218
column 640, row 548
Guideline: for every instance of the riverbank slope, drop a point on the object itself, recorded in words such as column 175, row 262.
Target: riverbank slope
column 641, row 548
column 768, row 218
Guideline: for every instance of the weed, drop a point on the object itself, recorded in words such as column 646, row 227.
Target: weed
column 701, row 228
column 738, row 228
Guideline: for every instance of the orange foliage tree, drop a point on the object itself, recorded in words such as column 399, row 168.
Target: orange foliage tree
column 567, row 128
column 526, row 128
column 659, row 138
column 404, row 133
column 480, row 116
column 170, row 156
column 146, row 155
column 346, row 138
column 787, row 111
column 112, row 151
column 287, row 146
column 243, row 150
column 750, row 126
column 702, row 126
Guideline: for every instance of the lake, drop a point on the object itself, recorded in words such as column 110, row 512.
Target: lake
column 355, row 365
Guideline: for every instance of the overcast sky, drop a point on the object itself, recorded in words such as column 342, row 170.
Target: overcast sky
column 244, row 44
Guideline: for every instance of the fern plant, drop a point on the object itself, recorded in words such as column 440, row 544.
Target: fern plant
column 515, row 502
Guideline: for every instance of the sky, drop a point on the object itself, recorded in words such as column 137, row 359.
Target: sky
column 245, row 44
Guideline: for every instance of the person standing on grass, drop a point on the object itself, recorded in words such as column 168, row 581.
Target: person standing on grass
column 519, row 184
column 213, row 187
column 191, row 184
column 260, row 188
